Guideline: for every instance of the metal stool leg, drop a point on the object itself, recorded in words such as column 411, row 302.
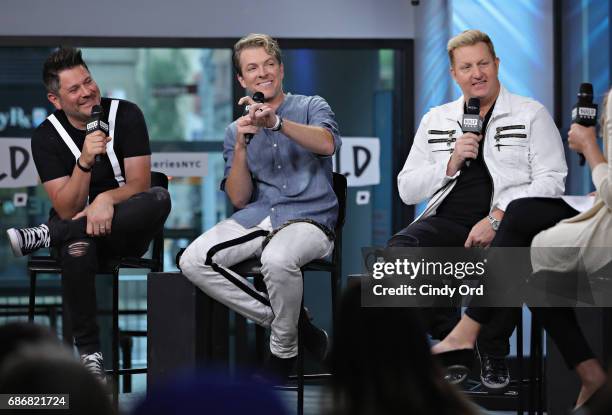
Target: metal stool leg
column 300, row 365
column 335, row 288
column 537, row 336
column 536, row 393
column 32, row 297
column 126, row 343
column 260, row 332
column 115, row 338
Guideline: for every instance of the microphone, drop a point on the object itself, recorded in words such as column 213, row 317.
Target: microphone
column 259, row 98
column 471, row 122
column 585, row 112
column 96, row 124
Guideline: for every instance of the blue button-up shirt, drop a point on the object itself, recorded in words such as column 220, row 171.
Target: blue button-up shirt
column 289, row 182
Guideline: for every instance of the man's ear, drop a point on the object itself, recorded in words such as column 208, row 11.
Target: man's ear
column 241, row 80
column 452, row 72
column 54, row 99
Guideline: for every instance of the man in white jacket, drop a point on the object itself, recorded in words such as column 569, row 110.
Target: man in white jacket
column 470, row 179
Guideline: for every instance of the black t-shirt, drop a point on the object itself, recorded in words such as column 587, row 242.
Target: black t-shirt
column 470, row 199
column 54, row 159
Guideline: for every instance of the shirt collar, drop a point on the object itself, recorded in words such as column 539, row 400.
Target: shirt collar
column 502, row 106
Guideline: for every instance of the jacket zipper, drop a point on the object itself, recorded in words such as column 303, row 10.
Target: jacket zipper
column 442, row 132
column 442, row 140
column 510, row 127
column 448, row 140
column 515, row 135
column 487, row 167
column 438, row 193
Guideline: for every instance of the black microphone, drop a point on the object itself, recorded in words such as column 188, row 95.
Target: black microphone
column 471, row 122
column 95, row 123
column 585, row 112
column 259, row 98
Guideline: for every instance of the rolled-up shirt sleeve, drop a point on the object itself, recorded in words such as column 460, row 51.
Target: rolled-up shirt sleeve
column 320, row 114
column 229, row 142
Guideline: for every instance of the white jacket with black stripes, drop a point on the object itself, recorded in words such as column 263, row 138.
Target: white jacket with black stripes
column 523, row 152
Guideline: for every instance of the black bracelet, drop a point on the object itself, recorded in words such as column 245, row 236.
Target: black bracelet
column 85, row 169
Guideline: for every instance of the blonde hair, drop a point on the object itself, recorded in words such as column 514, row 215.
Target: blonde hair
column 256, row 40
column 469, row 38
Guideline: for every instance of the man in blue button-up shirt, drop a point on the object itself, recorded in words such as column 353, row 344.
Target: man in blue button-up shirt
column 281, row 180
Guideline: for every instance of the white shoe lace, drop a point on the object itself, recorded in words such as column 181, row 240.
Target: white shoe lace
column 36, row 237
column 94, row 363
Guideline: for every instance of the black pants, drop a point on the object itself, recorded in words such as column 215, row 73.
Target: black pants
column 135, row 223
column 523, row 219
column 434, row 231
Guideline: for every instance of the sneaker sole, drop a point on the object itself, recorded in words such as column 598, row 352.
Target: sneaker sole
column 13, row 237
column 492, row 389
column 495, row 388
column 456, row 374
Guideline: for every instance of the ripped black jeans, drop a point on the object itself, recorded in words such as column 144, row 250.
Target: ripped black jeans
column 135, row 223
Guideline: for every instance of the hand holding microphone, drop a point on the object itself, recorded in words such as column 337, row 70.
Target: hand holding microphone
column 584, row 112
column 250, row 109
column 96, row 135
column 466, row 147
column 472, row 123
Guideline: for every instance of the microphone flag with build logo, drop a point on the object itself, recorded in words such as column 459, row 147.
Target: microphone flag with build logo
column 471, row 122
column 585, row 112
column 96, row 124
column 259, row 98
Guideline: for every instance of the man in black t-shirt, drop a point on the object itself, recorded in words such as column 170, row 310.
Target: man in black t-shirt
column 99, row 186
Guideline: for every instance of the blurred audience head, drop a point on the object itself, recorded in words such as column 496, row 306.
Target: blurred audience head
column 382, row 364
column 48, row 374
column 20, row 337
column 210, row 393
column 34, row 361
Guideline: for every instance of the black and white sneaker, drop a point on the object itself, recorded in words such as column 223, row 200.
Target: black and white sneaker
column 94, row 363
column 24, row 241
column 494, row 373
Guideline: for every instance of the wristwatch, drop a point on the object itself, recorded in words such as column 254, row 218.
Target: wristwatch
column 494, row 223
column 278, row 125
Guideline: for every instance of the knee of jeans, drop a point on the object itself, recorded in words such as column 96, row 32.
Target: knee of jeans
column 193, row 260
column 275, row 261
column 399, row 240
column 187, row 261
column 78, row 248
column 162, row 197
column 518, row 209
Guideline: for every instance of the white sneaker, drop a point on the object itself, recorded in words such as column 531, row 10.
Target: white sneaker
column 94, row 363
column 24, row 241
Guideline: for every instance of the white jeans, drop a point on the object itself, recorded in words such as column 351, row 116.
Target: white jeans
column 290, row 249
